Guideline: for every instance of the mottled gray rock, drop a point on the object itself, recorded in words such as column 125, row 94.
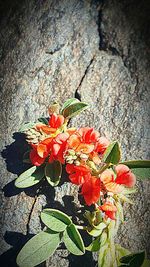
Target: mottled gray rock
column 53, row 50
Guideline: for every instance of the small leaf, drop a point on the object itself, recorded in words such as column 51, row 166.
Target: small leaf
column 73, row 240
column 38, row 249
column 43, row 120
column 53, row 172
column 26, row 126
column 141, row 173
column 94, row 246
column 30, row 177
column 97, row 230
column 137, row 163
column 74, row 109
column 55, row 219
column 134, row 260
column 112, row 153
column 68, row 103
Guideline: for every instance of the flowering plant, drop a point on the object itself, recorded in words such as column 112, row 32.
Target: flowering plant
column 105, row 182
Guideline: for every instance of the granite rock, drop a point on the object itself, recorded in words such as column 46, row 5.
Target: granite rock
column 50, row 50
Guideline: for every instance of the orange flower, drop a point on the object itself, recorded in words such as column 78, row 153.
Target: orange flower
column 35, row 158
column 40, row 152
column 58, row 147
column 83, row 140
column 124, row 177
column 91, row 190
column 77, row 174
column 55, row 122
column 102, row 144
column 109, row 209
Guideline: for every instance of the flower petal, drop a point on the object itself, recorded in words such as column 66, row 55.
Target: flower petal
column 125, row 176
column 35, row 158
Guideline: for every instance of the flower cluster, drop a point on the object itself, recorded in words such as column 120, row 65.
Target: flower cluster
column 82, row 151
column 93, row 163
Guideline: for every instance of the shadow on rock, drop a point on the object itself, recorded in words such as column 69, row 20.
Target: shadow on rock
column 13, row 154
column 82, row 261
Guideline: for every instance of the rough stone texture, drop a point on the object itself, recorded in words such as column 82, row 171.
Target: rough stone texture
column 96, row 51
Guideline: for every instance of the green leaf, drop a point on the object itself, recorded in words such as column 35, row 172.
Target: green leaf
column 74, row 109
column 26, row 126
column 30, row 177
column 55, row 219
column 94, row 246
column 141, row 173
column 38, row 249
column 53, row 172
column 137, row 163
column 68, row 103
column 73, row 240
column 112, row 153
column 97, row 230
column 134, row 260
column 43, row 120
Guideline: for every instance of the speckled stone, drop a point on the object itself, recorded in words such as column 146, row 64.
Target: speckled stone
column 52, row 50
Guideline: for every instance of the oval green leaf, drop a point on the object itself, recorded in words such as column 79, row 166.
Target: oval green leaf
column 73, row 240
column 55, row 219
column 69, row 102
column 30, row 177
column 53, row 172
column 133, row 164
column 38, row 249
column 74, row 109
column 112, row 153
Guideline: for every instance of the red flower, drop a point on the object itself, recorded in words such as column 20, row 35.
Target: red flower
column 40, row 152
column 77, row 174
column 102, row 144
column 124, row 177
column 83, row 140
column 35, row 158
column 59, row 147
column 91, row 190
column 88, row 135
column 55, row 122
column 109, row 209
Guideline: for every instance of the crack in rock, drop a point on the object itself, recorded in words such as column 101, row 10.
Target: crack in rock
column 30, row 214
column 77, row 94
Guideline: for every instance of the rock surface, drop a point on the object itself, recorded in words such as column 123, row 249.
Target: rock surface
column 52, row 50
